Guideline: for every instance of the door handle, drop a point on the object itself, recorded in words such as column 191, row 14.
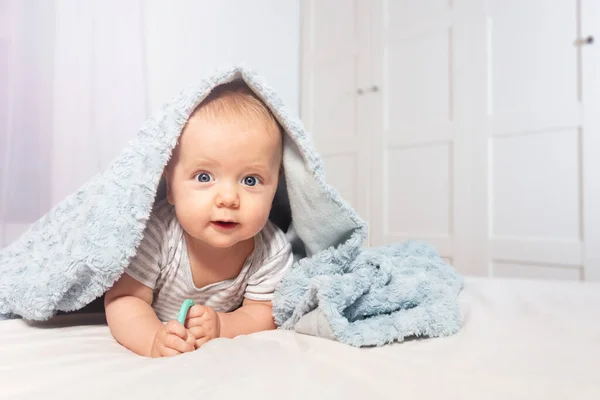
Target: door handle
column 585, row 41
column 372, row 89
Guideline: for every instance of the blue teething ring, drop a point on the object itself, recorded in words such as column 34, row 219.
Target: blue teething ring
column 185, row 307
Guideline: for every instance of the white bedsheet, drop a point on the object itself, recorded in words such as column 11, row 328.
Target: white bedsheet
column 521, row 340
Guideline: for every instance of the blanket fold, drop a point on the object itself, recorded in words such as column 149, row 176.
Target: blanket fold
column 382, row 295
column 336, row 289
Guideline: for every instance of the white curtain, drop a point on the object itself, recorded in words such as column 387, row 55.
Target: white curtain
column 72, row 93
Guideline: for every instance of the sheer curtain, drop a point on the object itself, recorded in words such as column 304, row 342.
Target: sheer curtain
column 72, row 93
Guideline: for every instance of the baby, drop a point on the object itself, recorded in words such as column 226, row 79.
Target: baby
column 211, row 239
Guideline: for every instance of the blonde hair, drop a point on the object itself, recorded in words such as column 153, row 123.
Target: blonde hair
column 234, row 98
column 237, row 98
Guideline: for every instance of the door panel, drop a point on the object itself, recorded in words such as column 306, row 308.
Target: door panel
column 533, row 65
column 535, row 191
column 418, row 83
column 335, row 41
column 409, row 194
column 590, row 147
column 334, row 104
column 534, row 139
column 414, row 161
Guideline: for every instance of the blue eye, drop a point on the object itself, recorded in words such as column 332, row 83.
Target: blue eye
column 203, row 177
column 251, row 181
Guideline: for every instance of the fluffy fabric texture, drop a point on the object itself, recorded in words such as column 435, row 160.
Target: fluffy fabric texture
column 372, row 296
column 75, row 253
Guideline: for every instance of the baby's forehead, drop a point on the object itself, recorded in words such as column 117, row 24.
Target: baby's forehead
column 227, row 124
column 236, row 101
column 231, row 127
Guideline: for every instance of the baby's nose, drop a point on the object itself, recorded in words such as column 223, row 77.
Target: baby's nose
column 228, row 197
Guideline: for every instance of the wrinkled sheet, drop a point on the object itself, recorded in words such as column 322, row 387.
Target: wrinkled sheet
column 520, row 340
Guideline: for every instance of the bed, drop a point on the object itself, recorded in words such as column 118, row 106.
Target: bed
column 522, row 339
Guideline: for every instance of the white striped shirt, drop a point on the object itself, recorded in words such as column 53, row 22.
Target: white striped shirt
column 161, row 263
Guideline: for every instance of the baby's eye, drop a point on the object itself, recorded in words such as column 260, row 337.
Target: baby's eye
column 203, row 177
column 251, row 181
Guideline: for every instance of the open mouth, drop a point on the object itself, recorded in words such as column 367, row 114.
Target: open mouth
column 225, row 224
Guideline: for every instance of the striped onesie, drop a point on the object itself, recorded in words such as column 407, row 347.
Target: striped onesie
column 161, row 263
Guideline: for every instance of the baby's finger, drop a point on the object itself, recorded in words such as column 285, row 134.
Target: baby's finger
column 191, row 339
column 201, row 342
column 196, row 311
column 168, row 352
column 196, row 321
column 176, row 343
column 198, row 331
column 175, row 328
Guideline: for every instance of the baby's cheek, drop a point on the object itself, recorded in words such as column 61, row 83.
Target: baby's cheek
column 192, row 217
column 194, row 207
column 258, row 212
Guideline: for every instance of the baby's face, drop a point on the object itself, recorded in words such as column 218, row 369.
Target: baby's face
column 223, row 178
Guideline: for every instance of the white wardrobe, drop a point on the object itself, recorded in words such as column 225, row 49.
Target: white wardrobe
column 471, row 124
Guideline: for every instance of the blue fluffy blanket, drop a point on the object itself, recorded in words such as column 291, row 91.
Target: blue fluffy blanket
column 336, row 288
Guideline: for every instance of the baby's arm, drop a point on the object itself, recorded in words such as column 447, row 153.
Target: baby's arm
column 134, row 324
column 256, row 312
column 252, row 316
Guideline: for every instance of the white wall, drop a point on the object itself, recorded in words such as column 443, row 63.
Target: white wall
column 92, row 84
column 187, row 39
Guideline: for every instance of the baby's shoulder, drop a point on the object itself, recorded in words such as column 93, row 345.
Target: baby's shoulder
column 162, row 219
column 162, row 210
column 272, row 232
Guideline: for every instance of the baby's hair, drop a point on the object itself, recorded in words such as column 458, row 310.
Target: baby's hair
column 236, row 97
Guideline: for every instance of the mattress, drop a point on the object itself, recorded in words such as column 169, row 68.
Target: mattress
column 522, row 339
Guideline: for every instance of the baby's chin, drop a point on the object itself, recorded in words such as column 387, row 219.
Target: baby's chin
column 223, row 242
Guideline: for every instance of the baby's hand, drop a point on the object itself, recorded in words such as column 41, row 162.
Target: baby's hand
column 204, row 323
column 172, row 339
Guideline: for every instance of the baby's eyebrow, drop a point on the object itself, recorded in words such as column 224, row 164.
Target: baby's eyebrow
column 259, row 167
column 205, row 161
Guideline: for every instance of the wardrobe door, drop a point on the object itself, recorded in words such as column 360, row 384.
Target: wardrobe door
column 589, row 47
column 489, row 113
column 421, row 159
column 535, row 157
column 335, row 41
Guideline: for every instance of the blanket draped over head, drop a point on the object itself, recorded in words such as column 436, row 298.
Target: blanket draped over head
column 337, row 288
